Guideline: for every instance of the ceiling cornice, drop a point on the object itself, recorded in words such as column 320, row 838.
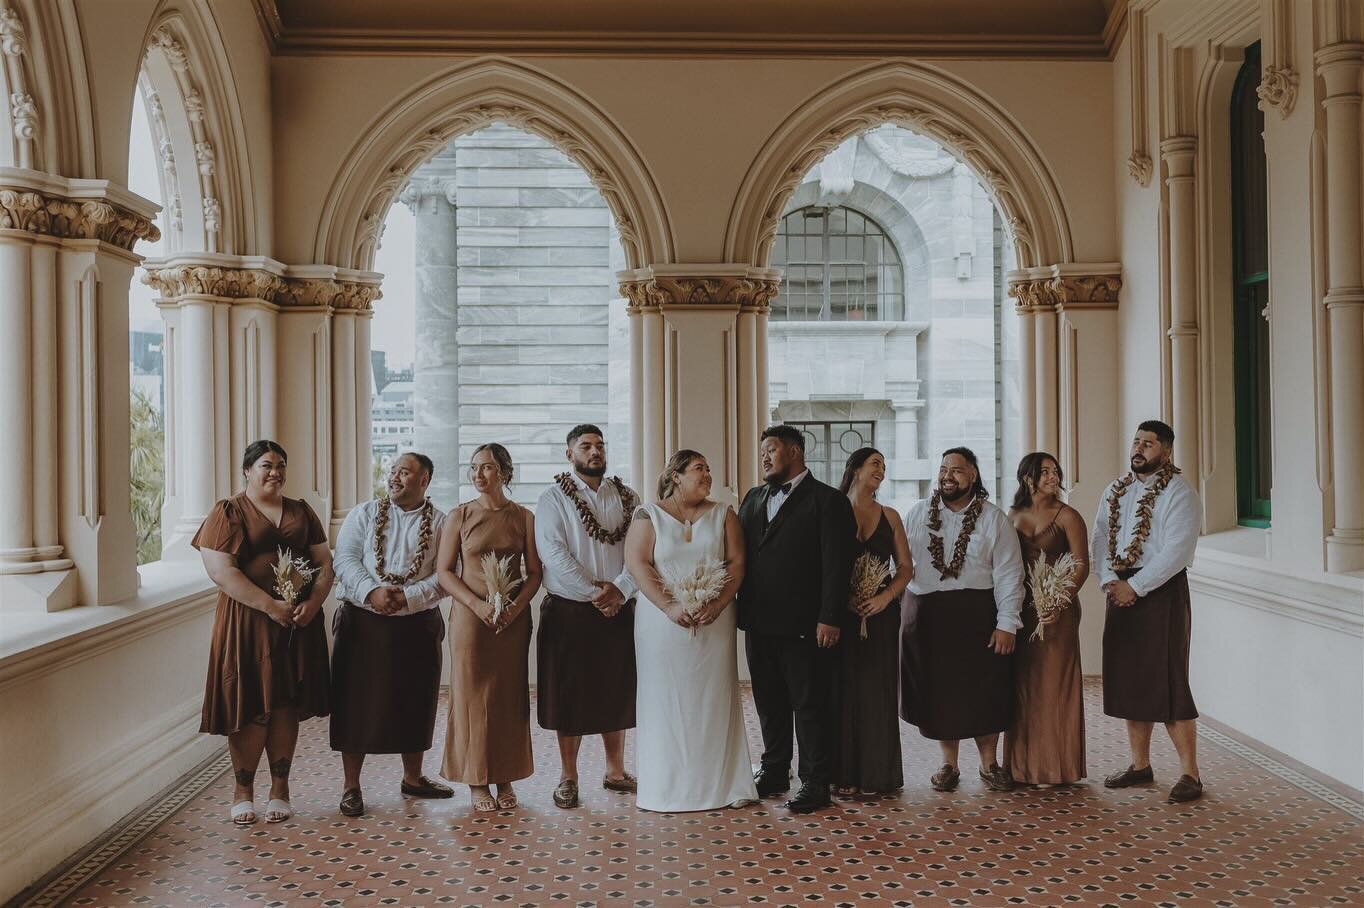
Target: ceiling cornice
column 337, row 42
column 271, row 25
column 1115, row 28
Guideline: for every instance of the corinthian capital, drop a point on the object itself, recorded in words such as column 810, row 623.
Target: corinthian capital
column 749, row 289
column 40, row 212
column 176, row 281
column 424, row 187
column 1067, row 286
column 12, row 40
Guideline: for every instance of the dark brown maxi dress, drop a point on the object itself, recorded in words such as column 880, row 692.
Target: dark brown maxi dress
column 487, row 739
column 868, row 753
column 1046, row 742
column 254, row 666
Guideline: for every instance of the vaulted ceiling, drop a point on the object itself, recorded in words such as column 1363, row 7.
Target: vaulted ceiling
column 992, row 28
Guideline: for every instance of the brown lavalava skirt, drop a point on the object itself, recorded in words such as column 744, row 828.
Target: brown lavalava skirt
column 1146, row 655
column 585, row 668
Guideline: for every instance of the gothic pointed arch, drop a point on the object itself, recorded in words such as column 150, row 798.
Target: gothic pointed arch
column 187, row 84
column 468, row 98
column 928, row 101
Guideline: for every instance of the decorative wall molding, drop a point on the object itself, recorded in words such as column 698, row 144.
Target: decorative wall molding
column 22, row 105
column 45, row 213
column 750, row 290
column 1279, row 77
column 1139, row 164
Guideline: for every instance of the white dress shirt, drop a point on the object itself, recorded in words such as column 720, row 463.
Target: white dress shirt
column 1169, row 548
column 572, row 559
column 994, row 560
column 357, row 572
column 778, row 497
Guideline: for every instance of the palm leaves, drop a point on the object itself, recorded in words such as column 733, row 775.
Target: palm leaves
column 147, row 460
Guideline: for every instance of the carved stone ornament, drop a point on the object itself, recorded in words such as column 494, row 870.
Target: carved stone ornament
column 1140, row 167
column 739, row 292
column 232, row 283
column 12, row 40
column 176, row 281
column 167, row 43
column 1278, row 88
column 24, row 112
column 36, row 212
column 1072, row 290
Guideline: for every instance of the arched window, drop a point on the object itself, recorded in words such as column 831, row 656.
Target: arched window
column 1250, row 257
column 838, row 265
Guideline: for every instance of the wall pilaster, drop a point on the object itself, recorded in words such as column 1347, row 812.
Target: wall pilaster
column 703, row 357
column 1341, row 66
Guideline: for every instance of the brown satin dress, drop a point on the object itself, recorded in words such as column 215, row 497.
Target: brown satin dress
column 254, row 664
column 1045, row 744
column 487, row 739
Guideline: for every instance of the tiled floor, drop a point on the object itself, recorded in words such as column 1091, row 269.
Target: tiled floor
column 1254, row 839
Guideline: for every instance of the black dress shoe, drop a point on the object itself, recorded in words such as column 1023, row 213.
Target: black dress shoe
column 1186, row 789
column 352, row 804
column 772, row 782
column 425, row 788
column 810, row 798
column 1130, row 776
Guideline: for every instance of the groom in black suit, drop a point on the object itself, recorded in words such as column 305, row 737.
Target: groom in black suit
column 799, row 535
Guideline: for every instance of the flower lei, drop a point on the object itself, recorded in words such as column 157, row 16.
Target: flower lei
column 968, row 526
column 1146, row 508
column 424, row 535
column 629, row 501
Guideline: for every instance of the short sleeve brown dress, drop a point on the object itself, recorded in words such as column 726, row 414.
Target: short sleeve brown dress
column 254, row 664
column 487, row 740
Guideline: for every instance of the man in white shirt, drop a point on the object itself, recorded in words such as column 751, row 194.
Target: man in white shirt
column 956, row 674
column 585, row 651
column 388, row 630
column 1143, row 542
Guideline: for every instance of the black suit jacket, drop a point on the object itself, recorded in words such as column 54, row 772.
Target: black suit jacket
column 797, row 568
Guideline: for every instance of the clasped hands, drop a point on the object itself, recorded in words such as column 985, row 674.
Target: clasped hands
column 1120, row 593
column 387, row 600
column 873, row 606
column 300, row 614
column 609, row 599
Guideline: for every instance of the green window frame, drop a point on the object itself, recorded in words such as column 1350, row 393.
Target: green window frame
column 1250, row 266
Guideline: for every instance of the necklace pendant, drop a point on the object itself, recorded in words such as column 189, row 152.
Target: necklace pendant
column 686, row 531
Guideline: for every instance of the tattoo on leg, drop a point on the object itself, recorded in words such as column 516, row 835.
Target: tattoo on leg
column 280, row 768
column 245, row 777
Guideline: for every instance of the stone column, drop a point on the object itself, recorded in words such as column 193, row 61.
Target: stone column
column 648, row 396
column 1026, row 294
column 751, row 359
column 907, row 485
column 364, row 402
column 637, row 392
column 1045, row 389
column 18, row 549
column 1177, row 153
column 431, row 196
column 1340, row 66
column 343, row 417
column 691, row 322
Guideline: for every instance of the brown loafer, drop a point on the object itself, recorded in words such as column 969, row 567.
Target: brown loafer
column 425, row 788
column 1130, row 776
column 946, row 779
column 352, row 804
column 996, row 779
column 566, row 794
column 626, row 783
column 1186, row 789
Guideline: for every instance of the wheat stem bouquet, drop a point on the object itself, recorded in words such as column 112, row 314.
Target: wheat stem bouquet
column 502, row 577
column 1051, row 585
column 697, row 588
column 869, row 577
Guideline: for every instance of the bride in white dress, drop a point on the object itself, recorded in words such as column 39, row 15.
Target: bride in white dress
column 690, row 743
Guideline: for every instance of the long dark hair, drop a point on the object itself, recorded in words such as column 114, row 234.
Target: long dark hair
column 855, row 461
column 978, row 487
column 1030, row 468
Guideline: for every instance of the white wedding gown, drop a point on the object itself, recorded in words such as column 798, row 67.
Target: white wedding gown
column 691, row 747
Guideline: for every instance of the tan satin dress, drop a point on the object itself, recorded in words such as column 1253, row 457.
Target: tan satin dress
column 1045, row 744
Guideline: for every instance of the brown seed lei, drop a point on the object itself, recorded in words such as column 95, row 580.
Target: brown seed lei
column 1146, row 509
column 628, row 499
column 424, row 535
column 968, row 526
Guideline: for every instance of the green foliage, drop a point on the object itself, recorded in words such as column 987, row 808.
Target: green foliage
column 148, row 462
column 379, row 477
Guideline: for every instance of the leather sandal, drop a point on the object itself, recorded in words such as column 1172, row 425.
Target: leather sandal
column 244, row 813
column 352, row 803
column 626, row 783
column 1130, row 776
column 947, row 778
column 566, row 794
column 506, row 800
column 483, row 803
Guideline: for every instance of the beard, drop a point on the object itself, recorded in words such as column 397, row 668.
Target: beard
column 584, row 469
column 955, row 495
column 1143, row 467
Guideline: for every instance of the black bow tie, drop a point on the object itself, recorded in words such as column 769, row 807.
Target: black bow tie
column 783, row 489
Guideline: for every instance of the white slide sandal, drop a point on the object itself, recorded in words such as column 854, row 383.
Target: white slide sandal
column 241, row 811
column 277, row 811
